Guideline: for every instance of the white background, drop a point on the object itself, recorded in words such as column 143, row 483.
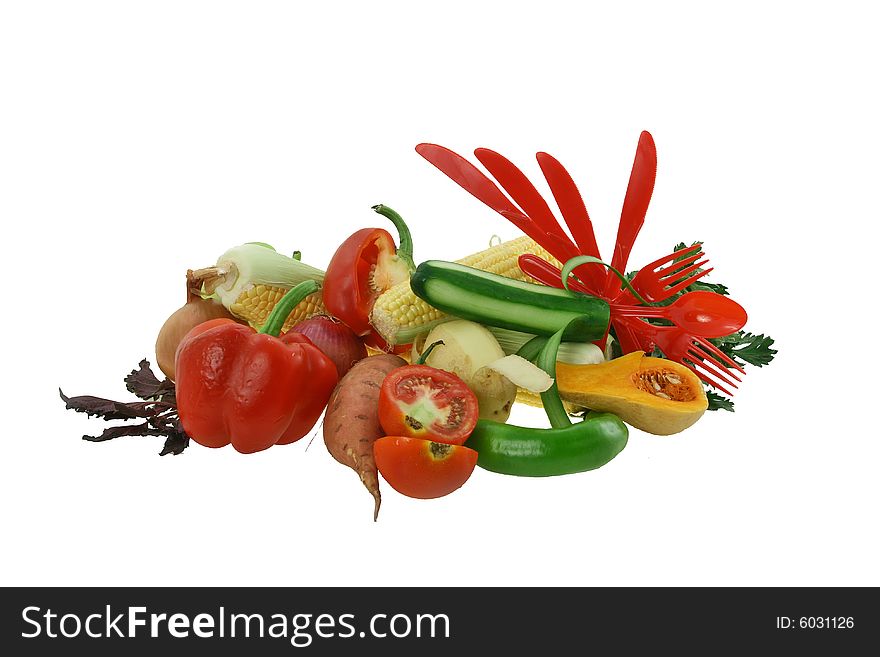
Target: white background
column 139, row 139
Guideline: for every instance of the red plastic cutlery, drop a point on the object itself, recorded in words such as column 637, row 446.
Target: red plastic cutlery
column 694, row 317
column 476, row 183
column 573, row 210
column 549, row 274
column 635, row 207
column 667, row 276
column 705, row 359
column 702, row 313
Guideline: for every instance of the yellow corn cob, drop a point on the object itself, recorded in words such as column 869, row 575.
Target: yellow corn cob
column 255, row 304
column 250, row 279
column 399, row 315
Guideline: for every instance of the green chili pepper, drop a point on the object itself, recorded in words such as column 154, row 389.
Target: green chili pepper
column 528, row 452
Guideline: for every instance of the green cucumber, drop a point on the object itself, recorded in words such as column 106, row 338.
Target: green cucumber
column 509, row 304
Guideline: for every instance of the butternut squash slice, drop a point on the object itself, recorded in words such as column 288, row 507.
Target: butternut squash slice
column 655, row 395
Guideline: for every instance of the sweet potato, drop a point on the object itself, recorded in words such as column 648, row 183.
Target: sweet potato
column 351, row 424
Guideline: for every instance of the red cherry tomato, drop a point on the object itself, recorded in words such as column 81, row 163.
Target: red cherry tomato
column 422, row 468
column 424, row 402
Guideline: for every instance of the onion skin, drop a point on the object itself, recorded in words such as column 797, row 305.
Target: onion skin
column 335, row 339
column 195, row 311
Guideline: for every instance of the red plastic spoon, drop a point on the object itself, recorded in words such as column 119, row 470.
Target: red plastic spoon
column 703, row 313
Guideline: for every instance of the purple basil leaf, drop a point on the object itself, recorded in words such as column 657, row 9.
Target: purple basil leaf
column 107, row 408
column 143, row 383
column 159, row 408
column 125, row 430
column 175, row 444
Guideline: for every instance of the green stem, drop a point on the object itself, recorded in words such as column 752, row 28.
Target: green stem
column 405, row 248
column 550, row 398
column 531, row 349
column 571, row 265
column 544, row 352
column 427, row 352
column 288, row 302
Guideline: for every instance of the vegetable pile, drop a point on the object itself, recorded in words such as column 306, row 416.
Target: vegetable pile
column 415, row 369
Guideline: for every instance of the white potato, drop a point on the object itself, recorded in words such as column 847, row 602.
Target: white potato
column 467, row 349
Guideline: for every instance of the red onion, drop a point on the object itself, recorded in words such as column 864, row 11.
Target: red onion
column 335, row 339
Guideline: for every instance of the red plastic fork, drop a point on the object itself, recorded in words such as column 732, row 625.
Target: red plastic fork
column 656, row 281
column 701, row 356
column 667, row 276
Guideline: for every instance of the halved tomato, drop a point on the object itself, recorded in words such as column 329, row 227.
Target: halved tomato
column 424, row 402
column 423, row 468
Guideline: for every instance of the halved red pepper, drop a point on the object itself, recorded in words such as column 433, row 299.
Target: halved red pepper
column 251, row 388
column 363, row 267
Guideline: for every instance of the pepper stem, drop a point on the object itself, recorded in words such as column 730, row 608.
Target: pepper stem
column 405, row 247
column 284, row 307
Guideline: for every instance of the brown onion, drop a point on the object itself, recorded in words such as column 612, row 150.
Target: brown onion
column 194, row 312
column 335, row 339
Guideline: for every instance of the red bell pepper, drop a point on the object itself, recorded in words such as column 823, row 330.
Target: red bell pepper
column 252, row 388
column 363, row 267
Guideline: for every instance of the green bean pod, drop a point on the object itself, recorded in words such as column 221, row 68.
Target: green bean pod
column 528, row 452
